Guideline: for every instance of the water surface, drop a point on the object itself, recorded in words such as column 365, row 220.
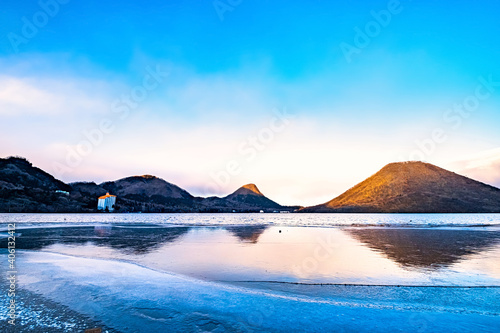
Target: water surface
column 444, row 251
column 255, row 272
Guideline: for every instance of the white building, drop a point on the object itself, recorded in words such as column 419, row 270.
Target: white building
column 62, row 192
column 107, row 201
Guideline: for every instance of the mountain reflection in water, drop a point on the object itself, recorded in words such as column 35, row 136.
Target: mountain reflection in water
column 248, row 234
column 425, row 247
column 406, row 256
column 128, row 239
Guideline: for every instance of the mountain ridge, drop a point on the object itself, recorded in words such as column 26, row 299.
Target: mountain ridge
column 403, row 187
column 25, row 188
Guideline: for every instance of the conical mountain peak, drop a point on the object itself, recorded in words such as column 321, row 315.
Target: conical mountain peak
column 252, row 188
column 415, row 187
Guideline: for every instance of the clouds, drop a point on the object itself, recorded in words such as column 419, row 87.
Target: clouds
column 46, row 97
column 483, row 166
column 192, row 124
column 18, row 97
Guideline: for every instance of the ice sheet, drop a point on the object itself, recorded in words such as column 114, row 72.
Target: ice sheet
column 131, row 298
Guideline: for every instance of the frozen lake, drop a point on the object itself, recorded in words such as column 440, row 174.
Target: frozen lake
column 306, row 220
column 258, row 272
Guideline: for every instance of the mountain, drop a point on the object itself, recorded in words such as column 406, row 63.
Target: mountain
column 138, row 193
column 407, row 187
column 247, row 198
column 414, row 187
column 249, row 195
column 25, row 188
column 146, row 185
column 21, row 173
column 150, row 193
column 246, row 190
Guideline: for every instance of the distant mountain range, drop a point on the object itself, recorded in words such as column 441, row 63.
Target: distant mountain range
column 407, row 187
column 25, row 188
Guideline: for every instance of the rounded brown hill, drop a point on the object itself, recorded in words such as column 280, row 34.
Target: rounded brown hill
column 145, row 185
column 415, row 187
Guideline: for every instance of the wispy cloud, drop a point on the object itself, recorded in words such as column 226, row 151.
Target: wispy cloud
column 483, row 166
column 21, row 96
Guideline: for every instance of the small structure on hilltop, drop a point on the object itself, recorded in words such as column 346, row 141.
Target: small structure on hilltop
column 107, row 202
column 62, row 192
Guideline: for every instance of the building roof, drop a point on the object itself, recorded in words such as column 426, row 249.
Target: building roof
column 107, row 196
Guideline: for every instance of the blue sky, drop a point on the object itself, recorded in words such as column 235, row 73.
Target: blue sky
column 230, row 64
